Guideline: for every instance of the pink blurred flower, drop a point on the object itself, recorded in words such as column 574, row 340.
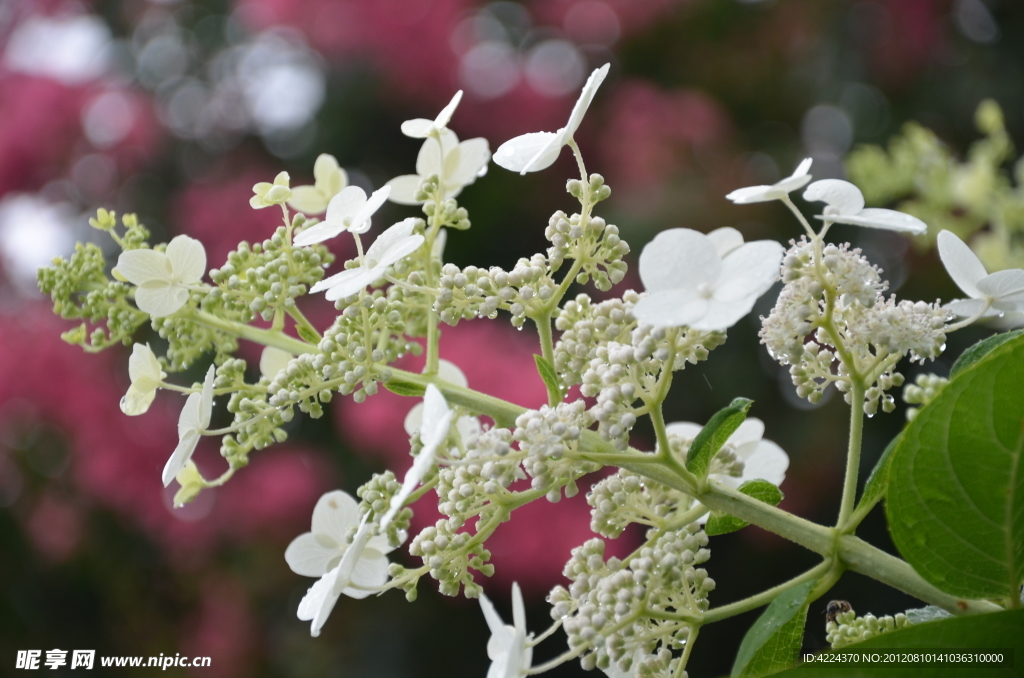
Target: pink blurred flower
column 223, row 629
column 55, row 527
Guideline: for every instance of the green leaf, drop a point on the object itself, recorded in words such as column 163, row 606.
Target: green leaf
column 998, row 631
column 307, row 334
column 404, row 388
column 878, row 481
column 711, row 438
column 956, row 481
column 548, row 374
column 980, row 350
column 774, row 640
column 723, row 523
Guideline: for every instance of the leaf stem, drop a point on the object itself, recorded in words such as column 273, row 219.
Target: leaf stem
column 852, row 455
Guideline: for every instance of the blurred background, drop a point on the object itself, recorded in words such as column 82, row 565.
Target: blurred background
column 174, row 108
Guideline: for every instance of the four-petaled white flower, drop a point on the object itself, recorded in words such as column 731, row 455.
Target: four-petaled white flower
column 316, row 553
column 350, row 211
column 328, row 181
column 267, row 194
column 421, row 128
column 146, row 375
column 436, row 421
column 458, row 164
column 393, row 244
column 761, row 459
column 846, row 206
column 192, row 423
column 163, row 279
column 360, row 567
column 539, row 150
column 508, row 647
column 707, row 282
column 1000, row 292
column 273, row 360
column 777, row 191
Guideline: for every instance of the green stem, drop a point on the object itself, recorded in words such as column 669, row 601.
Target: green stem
column 254, row 334
column 300, row 319
column 852, row 455
column 764, row 597
column 547, row 350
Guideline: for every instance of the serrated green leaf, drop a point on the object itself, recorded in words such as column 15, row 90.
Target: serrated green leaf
column 722, row 523
column 878, row 481
column 1001, row 630
column 980, row 350
column 711, row 438
column 548, row 374
column 955, row 501
column 774, row 640
column 404, row 388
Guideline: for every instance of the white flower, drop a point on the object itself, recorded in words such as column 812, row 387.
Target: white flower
column 273, row 360
column 507, row 647
column 777, row 191
column 437, row 419
column 1001, row 291
column 361, row 568
column 267, row 194
column 538, row 150
column 146, row 375
column 846, row 206
column 319, row 551
column 163, row 278
column 760, row 459
column 467, row 426
column 458, row 164
column 193, row 422
column 689, row 281
column 421, row 128
column 350, row 210
column 393, row 244
column 328, row 180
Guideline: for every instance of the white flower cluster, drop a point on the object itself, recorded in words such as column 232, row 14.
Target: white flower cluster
column 475, row 292
column 625, row 497
column 443, row 549
column 545, row 435
column 585, row 326
column 848, row 628
column 488, row 467
column 593, row 241
column 610, row 606
column 832, row 307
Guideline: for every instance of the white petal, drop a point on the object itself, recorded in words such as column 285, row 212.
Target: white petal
column 137, row 400
column 451, row 373
column 188, row 259
column 371, row 570
column 308, row 199
column 768, row 462
column 273, row 360
column 751, row 194
column 361, row 219
column 326, row 603
column 798, row 179
column 417, row 128
column 328, row 175
column 182, row 453
column 142, row 266
column 160, row 300
column 837, row 193
column 890, row 220
column 494, row 622
column 749, row 270
column 143, row 366
column 518, row 609
column 206, row 399
column 430, row 159
column 683, row 429
column 586, row 97
column 445, row 116
column 345, row 204
column 308, row 557
column 436, row 418
column 1004, row 286
column 360, row 278
column 721, row 315
column 962, row 264
column 393, row 235
column 725, row 240
column 672, row 308
column 402, row 248
column 965, row 308
column 335, row 513
column 314, row 597
column 679, row 258
column 520, row 154
column 750, row 431
column 413, row 419
column 474, row 154
column 404, row 189
column 318, row 233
